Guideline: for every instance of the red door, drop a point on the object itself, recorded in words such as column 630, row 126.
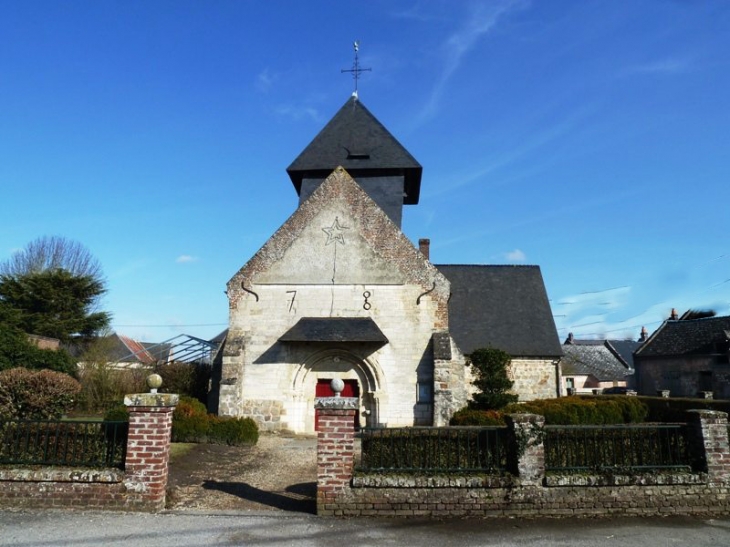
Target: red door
column 323, row 389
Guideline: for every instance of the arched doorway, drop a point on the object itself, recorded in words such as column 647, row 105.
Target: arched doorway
column 361, row 375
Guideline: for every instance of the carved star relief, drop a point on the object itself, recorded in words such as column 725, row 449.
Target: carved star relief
column 335, row 232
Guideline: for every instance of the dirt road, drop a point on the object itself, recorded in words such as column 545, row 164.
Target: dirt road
column 278, row 474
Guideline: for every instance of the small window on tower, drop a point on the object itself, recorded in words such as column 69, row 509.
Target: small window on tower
column 425, row 392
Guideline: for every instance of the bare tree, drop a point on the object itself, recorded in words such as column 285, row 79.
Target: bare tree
column 53, row 253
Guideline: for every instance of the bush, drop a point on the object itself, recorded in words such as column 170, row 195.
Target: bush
column 589, row 411
column 675, row 409
column 102, row 386
column 39, row 395
column 468, row 416
column 117, row 413
column 490, row 378
column 192, row 424
column 16, row 351
column 188, row 379
column 232, row 431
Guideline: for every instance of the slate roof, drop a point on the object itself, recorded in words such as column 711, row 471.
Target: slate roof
column 624, row 350
column 504, row 307
column 687, row 337
column 595, row 360
column 335, row 329
column 357, row 141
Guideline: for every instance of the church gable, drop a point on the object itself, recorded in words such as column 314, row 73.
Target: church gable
column 340, row 236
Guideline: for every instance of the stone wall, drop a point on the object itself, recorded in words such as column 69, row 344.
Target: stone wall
column 534, row 378
column 140, row 487
column 527, row 492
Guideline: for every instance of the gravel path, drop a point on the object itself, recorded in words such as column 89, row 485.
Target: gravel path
column 279, row 473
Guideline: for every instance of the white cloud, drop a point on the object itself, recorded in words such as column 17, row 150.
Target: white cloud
column 184, row 259
column 265, row 80
column 671, row 65
column 482, row 18
column 515, row 256
column 297, row 113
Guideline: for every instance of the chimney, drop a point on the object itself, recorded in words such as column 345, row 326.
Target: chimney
column 644, row 335
column 424, row 245
column 570, row 339
column 674, row 316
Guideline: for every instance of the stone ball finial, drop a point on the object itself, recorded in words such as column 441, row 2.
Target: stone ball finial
column 337, row 386
column 154, row 381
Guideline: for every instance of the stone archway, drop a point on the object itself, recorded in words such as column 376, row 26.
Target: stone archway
column 340, row 363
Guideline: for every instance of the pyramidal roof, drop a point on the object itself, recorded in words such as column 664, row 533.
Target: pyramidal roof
column 357, row 141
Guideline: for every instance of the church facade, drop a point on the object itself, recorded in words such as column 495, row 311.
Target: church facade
column 339, row 291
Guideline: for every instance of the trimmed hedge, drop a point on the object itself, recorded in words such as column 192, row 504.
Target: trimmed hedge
column 585, row 411
column 563, row 411
column 675, row 409
column 191, row 423
column 470, row 416
column 36, row 394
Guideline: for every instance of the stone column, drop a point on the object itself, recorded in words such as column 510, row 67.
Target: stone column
column 709, row 438
column 526, row 455
column 148, row 448
column 335, row 450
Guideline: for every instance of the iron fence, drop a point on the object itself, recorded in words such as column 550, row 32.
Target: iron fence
column 617, row 448
column 43, row 442
column 434, row 450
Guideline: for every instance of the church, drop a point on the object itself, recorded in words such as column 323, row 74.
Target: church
column 339, row 291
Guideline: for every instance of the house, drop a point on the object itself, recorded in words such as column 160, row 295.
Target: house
column 123, row 352
column 590, row 366
column 688, row 355
column 339, row 291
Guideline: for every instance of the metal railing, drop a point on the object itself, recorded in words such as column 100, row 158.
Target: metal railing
column 44, row 442
column 434, row 450
column 617, row 448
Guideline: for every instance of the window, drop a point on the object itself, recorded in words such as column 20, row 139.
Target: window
column 425, row 392
column 570, row 383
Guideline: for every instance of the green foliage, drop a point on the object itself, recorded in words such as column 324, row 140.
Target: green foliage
column 17, row 351
column 588, row 411
column 232, row 431
column 468, row 416
column 189, row 379
column 673, row 410
column 43, row 394
column 117, row 413
column 192, row 424
column 102, row 384
column 55, row 303
column 490, row 378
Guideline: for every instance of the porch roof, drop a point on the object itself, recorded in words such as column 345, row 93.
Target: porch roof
column 335, row 329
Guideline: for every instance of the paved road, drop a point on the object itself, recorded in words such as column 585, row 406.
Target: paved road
column 58, row 528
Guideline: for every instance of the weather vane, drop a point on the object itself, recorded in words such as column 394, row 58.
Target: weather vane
column 356, row 69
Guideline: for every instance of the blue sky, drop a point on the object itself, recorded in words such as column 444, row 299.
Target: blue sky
column 589, row 137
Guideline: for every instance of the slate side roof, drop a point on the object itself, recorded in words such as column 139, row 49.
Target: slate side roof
column 504, row 307
column 335, row 329
column 357, row 141
column 595, row 360
column 686, row 337
column 624, row 350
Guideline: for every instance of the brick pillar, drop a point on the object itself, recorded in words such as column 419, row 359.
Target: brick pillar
column 148, row 448
column 526, row 455
column 335, row 450
column 709, row 437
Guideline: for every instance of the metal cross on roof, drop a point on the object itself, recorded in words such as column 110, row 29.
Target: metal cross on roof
column 356, row 69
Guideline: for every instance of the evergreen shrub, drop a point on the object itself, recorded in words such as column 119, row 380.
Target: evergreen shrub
column 674, row 409
column 588, row 411
column 36, row 395
column 469, row 416
column 232, row 431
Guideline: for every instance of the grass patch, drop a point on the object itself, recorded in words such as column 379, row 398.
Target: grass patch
column 178, row 450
